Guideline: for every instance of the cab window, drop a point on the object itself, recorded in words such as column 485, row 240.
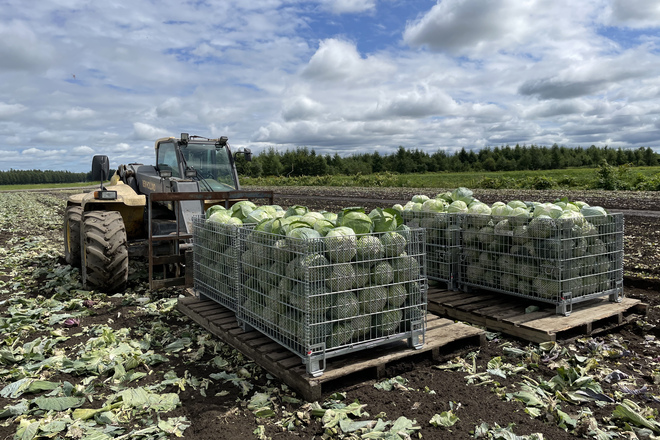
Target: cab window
column 167, row 158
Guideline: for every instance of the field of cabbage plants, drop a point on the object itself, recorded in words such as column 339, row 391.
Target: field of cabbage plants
column 81, row 364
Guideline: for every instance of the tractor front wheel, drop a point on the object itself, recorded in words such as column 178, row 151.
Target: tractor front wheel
column 72, row 220
column 105, row 251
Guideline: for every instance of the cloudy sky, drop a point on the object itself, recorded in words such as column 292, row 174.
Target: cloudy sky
column 83, row 77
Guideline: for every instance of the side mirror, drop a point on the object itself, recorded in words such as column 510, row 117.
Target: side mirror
column 248, row 155
column 100, row 167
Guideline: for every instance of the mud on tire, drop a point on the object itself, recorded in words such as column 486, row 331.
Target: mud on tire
column 72, row 221
column 105, row 251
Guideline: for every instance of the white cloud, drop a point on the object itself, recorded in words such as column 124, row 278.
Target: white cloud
column 635, row 13
column 338, row 60
column 348, row 6
column 463, row 26
column 144, row 131
column 21, row 49
column 301, row 108
column 9, row 110
column 331, row 75
column 82, row 150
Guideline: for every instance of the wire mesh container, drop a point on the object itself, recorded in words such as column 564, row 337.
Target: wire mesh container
column 323, row 297
column 561, row 261
column 443, row 245
column 215, row 254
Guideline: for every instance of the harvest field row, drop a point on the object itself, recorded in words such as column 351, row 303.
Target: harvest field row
column 82, row 364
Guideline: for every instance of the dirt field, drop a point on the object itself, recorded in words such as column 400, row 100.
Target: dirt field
column 478, row 387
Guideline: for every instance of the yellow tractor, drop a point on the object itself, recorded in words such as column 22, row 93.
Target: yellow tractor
column 147, row 210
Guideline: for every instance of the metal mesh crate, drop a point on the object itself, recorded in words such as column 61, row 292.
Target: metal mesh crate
column 215, row 253
column 561, row 261
column 328, row 296
column 443, row 246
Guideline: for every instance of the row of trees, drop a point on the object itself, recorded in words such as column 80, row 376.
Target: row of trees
column 305, row 162
column 30, row 177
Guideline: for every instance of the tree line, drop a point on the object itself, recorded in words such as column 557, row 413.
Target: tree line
column 303, row 161
column 31, row 177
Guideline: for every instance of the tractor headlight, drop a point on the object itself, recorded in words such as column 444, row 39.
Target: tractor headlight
column 105, row 195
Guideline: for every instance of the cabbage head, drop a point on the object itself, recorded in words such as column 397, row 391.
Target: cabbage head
column 500, row 211
column 542, row 227
column 312, row 217
column 519, row 216
column 304, row 239
column 384, row 220
column 397, row 207
column 479, row 208
column 394, row 244
column 257, row 216
column 595, row 214
column 548, row 209
column 434, row 205
column 421, row 198
column 369, row 247
column 242, row 209
column 517, row 204
column 570, row 219
column 357, row 220
column 323, row 226
column 296, row 210
column 220, row 217
column 457, row 207
column 446, row 196
column 462, row 194
column 330, row 216
column 216, row 208
column 341, row 244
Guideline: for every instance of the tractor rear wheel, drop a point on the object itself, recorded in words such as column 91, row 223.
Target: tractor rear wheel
column 105, row 251
column 72, row 220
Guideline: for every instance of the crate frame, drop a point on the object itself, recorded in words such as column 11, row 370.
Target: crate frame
column 207, row 255
column 309, row 295
column 564, row 263
column 443, row 238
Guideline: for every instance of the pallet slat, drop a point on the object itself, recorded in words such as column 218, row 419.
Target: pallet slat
column 506, row 314
column 280, row 362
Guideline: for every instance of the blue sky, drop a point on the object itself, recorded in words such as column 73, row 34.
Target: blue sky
column 79, row 77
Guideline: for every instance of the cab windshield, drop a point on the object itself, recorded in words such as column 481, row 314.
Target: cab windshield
column 212, row 164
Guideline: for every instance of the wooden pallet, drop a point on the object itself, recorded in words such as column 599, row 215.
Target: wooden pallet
column 506, row 314
column 442, row 336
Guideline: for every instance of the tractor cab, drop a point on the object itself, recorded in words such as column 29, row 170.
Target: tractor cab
column 207, row 161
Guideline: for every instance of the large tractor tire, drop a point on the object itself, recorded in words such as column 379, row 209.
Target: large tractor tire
column 72, row 221
column 104, row 251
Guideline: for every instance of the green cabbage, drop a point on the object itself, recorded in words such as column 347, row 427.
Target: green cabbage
column 396, row 295
column 342, row 277
column 241, row 209
column 372, row 299
column 434, row 205
column 341, row 244
column 517, row 204
column 358, row 221
column 394, row 243
column 384, row 219
column 548, row 209
column 421, row 198
column 457, row 207
column 221, row 217
column 462, row 194
column 369, row 247
column 215, row 208
column 296, row 210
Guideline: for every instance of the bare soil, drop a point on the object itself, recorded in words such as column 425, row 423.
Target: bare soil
column 226, row 417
